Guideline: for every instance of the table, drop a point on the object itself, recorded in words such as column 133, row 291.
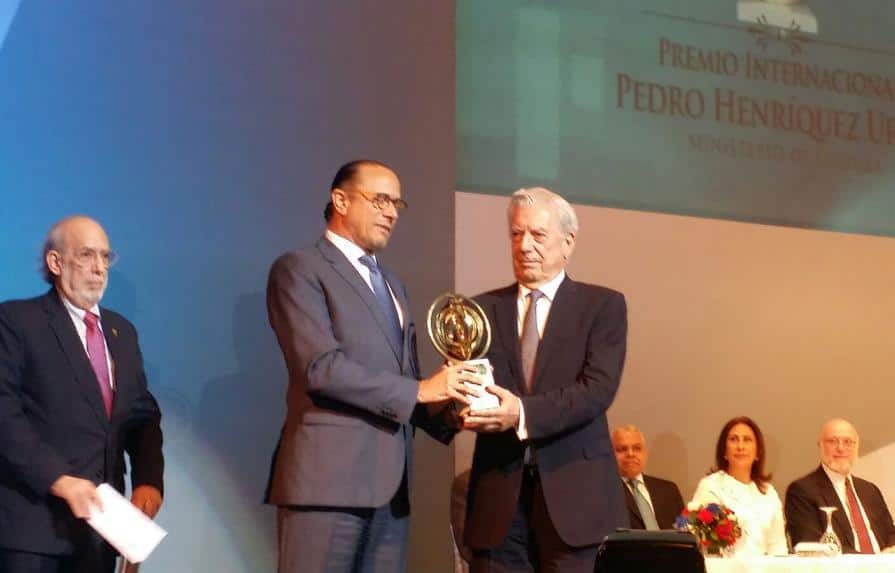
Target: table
column 795, row 564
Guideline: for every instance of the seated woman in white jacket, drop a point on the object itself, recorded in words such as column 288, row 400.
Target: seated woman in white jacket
column 741, row 484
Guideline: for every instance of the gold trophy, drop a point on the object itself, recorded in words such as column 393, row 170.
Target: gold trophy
column 460, row 331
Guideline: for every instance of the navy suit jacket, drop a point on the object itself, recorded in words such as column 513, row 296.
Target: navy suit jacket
column 351, row 399
column 53, row 422
column 805, row 521
column 665, row 497
column 576, row 375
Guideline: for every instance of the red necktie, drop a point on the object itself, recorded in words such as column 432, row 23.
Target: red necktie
column 854, row 511
column 96, row 349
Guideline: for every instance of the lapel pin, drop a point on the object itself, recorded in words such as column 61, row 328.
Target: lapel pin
column 114, row 332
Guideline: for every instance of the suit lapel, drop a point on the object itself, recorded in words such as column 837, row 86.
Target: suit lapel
column 398, row 291
column 506, row 319
column 113, row 344
column 342, row 266
column 562, row 314
column 61, row 324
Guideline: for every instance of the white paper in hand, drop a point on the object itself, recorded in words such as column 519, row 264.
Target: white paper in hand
column 125, row 527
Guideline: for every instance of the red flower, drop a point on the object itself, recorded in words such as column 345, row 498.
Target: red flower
column 706, row 516
column 724, row 530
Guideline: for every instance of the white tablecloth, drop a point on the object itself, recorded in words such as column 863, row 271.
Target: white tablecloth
column 794, row 564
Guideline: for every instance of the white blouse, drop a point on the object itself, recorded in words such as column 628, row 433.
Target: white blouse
column 760, row 515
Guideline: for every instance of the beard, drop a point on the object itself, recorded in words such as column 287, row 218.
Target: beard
column 90, row 296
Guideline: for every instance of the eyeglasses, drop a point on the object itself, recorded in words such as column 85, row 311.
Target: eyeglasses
column 847, row 443
column 87, row 256
column 381, row 201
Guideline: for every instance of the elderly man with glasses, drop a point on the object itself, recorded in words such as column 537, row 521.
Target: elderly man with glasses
column 73, row 400
column 862, row 520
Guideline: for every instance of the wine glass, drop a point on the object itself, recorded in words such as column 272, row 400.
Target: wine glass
column 829, row 536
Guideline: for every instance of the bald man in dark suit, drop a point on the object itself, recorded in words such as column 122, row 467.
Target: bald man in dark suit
column 341, row 471
column 659, row 498
column 862, row 520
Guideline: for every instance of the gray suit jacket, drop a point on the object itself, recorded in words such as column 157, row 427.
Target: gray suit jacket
column 352, row 396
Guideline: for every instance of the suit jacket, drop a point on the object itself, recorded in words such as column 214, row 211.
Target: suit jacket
column 665, row 497
column 352, row 395
column 53, row 422
column 805, row 522
column 576, row 375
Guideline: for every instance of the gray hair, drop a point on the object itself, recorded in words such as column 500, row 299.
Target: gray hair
column 528, row 197
column 53, row 242
column 628, row 428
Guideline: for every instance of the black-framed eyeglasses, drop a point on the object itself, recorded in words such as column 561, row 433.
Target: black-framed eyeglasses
column 381, row 201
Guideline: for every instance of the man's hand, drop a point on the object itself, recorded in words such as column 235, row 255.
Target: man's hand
column 80, row 495
column 504, row 417
column 147, row 499
column 449, row 383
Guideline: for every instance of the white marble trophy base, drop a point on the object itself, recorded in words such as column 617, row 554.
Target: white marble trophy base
column 487, row 399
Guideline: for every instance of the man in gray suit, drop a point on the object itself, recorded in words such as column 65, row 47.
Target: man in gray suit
column 341, row 469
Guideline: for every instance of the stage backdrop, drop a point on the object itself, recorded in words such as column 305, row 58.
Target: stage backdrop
column 204, row 136
column 732, row 168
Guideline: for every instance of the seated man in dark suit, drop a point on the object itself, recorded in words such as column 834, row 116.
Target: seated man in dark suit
column 862, row 520
column 653, row 503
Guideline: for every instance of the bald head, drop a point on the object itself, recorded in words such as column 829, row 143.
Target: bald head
column 838, row 444
column 77, row 258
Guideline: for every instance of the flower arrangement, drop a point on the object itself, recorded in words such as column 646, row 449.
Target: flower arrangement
column 714, row 524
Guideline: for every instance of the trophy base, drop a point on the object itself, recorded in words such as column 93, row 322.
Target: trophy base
column 487, row 400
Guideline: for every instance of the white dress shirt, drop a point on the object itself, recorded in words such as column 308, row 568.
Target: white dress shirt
column 544, row 304
column 839, row 484
column 353, row 253
column 760, row 515
column 77, row 317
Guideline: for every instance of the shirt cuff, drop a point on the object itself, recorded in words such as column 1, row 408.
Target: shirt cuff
column 521, row 430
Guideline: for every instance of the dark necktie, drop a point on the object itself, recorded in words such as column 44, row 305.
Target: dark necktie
column 857, row 520
column 96, row 350
column 384, row 298
column 643, row 506
column 530, row 339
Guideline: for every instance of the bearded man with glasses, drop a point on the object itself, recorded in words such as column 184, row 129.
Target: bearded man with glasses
column 862, row 520
column 73, row 400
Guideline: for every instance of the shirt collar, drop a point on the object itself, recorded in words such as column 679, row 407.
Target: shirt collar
column 549, row 288
column 348, row 248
